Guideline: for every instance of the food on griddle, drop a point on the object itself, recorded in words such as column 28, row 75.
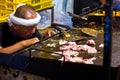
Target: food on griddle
column 77, row 47
column 90, row 42
column 92, row 50
column 79, row 59
column 73, row 52
column 89, row 49
column 65, row 47
column 56, row 53
column 74, row 59
column 101, row 45
column 72, row 43
column 51, row 45
column 69, row 49
column 70, row 53
column 71, row 46
column 61, row 42
column 89, row 61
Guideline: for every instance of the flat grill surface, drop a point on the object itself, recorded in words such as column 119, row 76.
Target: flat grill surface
column 45, row 52
column 42, row 50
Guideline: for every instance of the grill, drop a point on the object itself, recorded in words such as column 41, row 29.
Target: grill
column 37, row 58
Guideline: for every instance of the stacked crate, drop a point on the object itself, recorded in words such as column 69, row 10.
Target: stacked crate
column 41, row 4
column 8, row 6
column 4, row 15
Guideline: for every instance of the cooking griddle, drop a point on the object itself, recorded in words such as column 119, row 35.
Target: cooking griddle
column 42, row 50
column 52, row 68
column 30, row 61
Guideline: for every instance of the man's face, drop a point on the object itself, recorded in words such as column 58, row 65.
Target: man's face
column 24, row 31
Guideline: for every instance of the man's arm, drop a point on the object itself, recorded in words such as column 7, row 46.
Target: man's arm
column 18, row 46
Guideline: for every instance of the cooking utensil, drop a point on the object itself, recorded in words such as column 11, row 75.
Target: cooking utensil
column 67, row 35
column 60, row 25
column 57, row 26
column 89, row 31
column 77, row 40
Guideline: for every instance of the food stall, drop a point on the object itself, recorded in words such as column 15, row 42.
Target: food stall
column 81, row 52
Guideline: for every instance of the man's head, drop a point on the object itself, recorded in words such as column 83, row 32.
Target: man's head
column 24, row 21
column 25, row 12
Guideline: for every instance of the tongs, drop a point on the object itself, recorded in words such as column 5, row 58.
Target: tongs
column 79, row 17
column 86, row 12
column 57, row 26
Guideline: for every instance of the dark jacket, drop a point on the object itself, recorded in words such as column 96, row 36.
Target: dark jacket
column 8, row 39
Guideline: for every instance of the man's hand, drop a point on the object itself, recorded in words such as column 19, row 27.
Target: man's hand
column 49, row 33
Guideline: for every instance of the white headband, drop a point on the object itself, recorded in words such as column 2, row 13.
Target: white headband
column 13, row 19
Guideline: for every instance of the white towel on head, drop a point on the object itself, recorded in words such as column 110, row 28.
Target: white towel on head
column 20, row 21
column 25, row 22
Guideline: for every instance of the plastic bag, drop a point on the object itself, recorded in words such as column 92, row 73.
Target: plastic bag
column 60, row 12
column 45, row 19
column 63, row 19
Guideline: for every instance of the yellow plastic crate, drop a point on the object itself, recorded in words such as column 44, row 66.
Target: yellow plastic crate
column 14, row 1
column 9, row 6
column 42, row 6
column 3, row 19
column 4, row 13
column 35, row 2
column 37, row 6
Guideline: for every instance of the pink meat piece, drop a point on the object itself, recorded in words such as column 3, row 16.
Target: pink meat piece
column 70, row 53
column 65, row 47
column 90, row 42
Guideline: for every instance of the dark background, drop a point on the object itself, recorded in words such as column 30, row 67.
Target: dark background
column 80, row 4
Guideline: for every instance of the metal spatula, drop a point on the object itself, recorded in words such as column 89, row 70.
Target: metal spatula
column 67, row 35
column 56, row 26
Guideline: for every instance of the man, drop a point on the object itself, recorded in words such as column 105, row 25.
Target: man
column 20, row 31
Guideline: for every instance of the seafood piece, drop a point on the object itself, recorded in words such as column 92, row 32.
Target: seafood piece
column 51, row 45
column 72, row 43
column 65, row 47
column 101, row 45
column 89, row 61
column 77, row 59
column 70, row 53
column 61, row 42
column 92, row 50
column 91, row 42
